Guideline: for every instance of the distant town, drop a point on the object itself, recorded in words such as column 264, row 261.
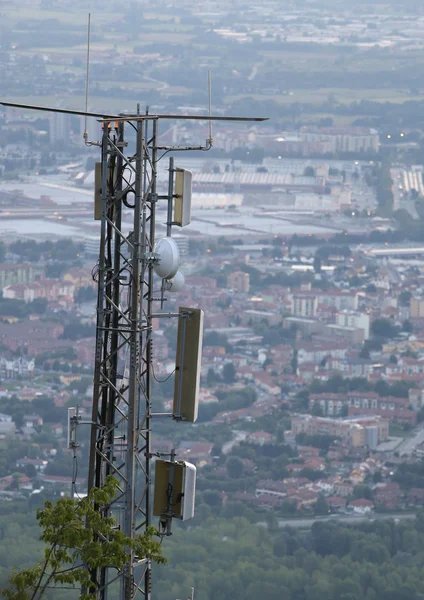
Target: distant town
column 313, row 346
column 305, row 250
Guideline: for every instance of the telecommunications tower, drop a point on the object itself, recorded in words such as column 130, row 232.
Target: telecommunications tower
column 134, row 273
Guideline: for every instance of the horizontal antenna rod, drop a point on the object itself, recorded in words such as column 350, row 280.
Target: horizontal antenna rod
column 190, row 117
column 104, row 117
column 65, row 111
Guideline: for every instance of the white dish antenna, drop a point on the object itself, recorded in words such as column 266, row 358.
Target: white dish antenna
column 167, row 255
column 175, row 284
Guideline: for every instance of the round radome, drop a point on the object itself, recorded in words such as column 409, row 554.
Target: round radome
column 169, row 258
column 176, row 284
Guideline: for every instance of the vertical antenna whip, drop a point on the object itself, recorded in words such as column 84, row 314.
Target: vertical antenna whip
column 210, row 108
column 87, row 76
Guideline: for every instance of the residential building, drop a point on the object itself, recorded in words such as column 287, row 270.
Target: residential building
column 50, row 289
column 363, row 403
column 304, row 305
column 11, row 274
column 239, row 282
column 316, row 351
column 274, row 488
column 31, row 421
column 388, row 495
column 199, row 453
column 344, row 489
column 416, row 398
column 361, row 506
column 356, row 320
column 343, row 139
column 341, row 299
column 352, row 431
column 390, row 414
column 38, row 463
column 416, row 308
column 260, row 316
column 16, row 367
column 60, row 127
column 7, row 426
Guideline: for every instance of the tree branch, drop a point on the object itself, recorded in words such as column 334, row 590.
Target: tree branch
column 46, row 562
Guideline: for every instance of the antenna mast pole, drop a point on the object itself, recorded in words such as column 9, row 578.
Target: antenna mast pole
column 87, row 75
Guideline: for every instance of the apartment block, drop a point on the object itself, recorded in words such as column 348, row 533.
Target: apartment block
column 352, row 430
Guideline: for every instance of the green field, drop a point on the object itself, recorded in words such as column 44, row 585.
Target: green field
column 339, row 95
column 170, row 30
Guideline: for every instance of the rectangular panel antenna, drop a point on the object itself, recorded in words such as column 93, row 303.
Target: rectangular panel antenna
column 188, row 363
column 175, row 486
column 182, row 206
column 98, row 191
column 72, row 427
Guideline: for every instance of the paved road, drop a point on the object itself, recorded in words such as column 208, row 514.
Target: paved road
column 409, row 445
column 239, row 436
column 162, row 84
column 306, row 523
column 399, row 199
column 253, row 73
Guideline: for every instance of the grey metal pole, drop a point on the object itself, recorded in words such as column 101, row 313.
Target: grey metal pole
column 94, row 467
column 113, row 289
column 129, row 496
column 170, row 196
column 100, row 314
column 149, row 349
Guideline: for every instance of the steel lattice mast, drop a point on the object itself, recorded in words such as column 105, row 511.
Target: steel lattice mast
column 120, row 432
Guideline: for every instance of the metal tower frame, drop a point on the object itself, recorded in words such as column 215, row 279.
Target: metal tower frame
column 120, row 433
column 120, row 441
column 122, row 404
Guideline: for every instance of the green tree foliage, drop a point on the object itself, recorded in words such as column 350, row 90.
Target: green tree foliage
column 338, row 385
column 232, row 559
column 213, row 338
column 41, row 405
column 56, row 270
column 362, row 491
column 407, row 326
column 373, row 561
column 229, row 373
column 325, row 251
column 384, row 189
column 65, row 250
column 383, row 328
column 212, row 377
column 317, row 264
column 77, row 331
column 321, row 506
column 364, row 353
column 228, row 401
column 410, row 475
column 234, row 467
column 73, row 531
column 405, row 298
column 85, row 294
column 22, row 309
column 276, row 334
column 323, row 442
column 309, row 171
